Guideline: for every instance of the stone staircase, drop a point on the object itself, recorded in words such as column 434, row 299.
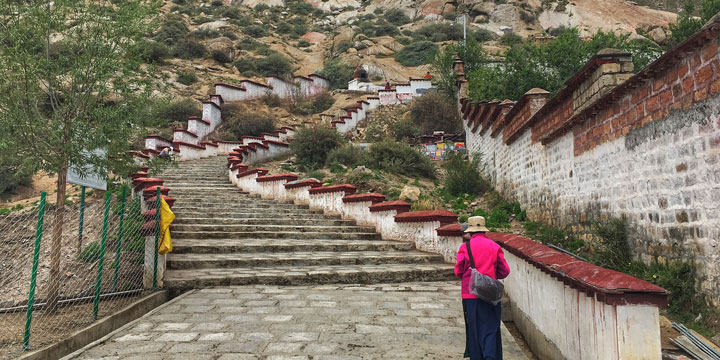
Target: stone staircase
column 223, row 236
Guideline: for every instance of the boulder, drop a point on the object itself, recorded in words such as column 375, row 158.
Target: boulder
column 376, row 50
column 333, row 5
column 658, row 35
column 389, row 42
column 222, row 44
column 410, row 193
column 214, row 25
column 253, row 3
column 483, row 8
column 314, row 37
column 345, row 17
column 505, row 14
column 343, row 34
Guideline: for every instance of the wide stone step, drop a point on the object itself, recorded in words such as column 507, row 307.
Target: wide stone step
column 298, row 215
column 224, row 246
column 240, row 209
column 312, row 258
column 271, row 228
column 234, row 200
column 215, row 185
column 199, row 187
column 266, row 221
column 275, row 235
column 302, row 275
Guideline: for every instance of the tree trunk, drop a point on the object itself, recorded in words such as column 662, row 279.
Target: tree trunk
column 56, row 246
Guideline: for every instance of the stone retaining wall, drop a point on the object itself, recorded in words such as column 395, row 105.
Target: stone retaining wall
column 645, row 147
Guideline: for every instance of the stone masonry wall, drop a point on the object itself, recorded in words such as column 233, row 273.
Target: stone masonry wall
column 647, row 149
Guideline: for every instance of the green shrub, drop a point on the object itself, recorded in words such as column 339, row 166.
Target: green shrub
column 189, row 49
column 527, row 17
column 272, row 100
column 614, row 250
column 186, row 78
column 435, row 112
column 416, row 54
column 91, row 252
column 284, row 28
column 300, row 8
column 12, row 173
column 205, row 33
column 240, row 121
column 348, row 155
column 299, row 30
column 315, row 174
column 441, row 32
column 171, row 32
column 399, row 158
column 385, row 29
column 396, row 17
column 312, row 146
column 274, row 64
column 483, row 35
column 378, row 11
column 338, row 72
column 303, row 43
column 255, row 31
column 164, row 113
column 261, row 7
column 343, row 46
column 511, row 39
column 403, row 129
column 463, row 177
column 404, row 40
column 231, row 12
column 220, row 56
column 245, row 66
column 154, row 52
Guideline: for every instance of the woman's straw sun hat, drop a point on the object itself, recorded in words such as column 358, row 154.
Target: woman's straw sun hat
column 476, row 224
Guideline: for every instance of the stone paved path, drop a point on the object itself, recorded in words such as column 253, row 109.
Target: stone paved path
column 321, row 322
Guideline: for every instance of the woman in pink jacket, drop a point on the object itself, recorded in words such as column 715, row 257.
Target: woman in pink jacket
column 482, row 319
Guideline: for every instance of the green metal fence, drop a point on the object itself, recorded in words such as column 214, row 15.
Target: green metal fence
column 62, row 270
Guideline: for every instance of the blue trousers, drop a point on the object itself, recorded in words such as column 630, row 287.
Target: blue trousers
column 482, row 329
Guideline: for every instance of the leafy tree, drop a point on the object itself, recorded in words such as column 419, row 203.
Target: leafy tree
column 473, row 56
column 338, row 72
column 549, row 66
column 312, row 145
column 64, row 99
column 687, row 24
column 274, row 64
column 434, row 112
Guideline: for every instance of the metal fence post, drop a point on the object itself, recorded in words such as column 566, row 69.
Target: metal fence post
column 108, row 196
column 33, row 277
column 82, row 218
column 157, row 237
column 119, row 237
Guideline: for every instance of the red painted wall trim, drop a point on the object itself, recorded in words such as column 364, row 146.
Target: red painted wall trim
column 259, row 171
column 179, row 143
column 450, row 230
column 304, row 183
column 230, row 86
column 443, row 216
column 398, row 205
column 373, row 197
column 278, row 177
column 347, row 188
column 611, row 287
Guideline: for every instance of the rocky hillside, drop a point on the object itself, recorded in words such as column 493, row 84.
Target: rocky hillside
column 200, row 42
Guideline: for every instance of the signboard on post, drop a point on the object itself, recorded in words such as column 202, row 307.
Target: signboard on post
column 91, row 179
